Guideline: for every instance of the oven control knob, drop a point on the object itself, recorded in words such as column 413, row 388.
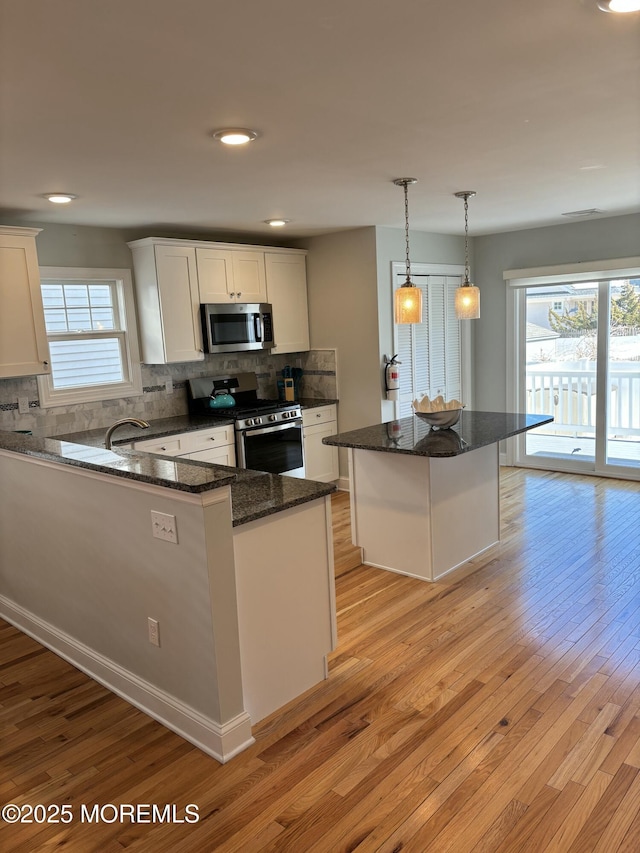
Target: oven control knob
column 285, row 415
column 257, row 420
column 273, row 417
column 249, row 421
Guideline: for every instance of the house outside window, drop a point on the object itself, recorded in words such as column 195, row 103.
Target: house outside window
column 91, row 331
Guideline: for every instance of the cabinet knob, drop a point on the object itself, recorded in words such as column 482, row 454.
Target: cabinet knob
column 239, row 294
column 163, row 448
column 213, row 438
column 231, row 295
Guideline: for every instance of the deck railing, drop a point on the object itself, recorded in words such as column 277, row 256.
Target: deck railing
column 568, row 391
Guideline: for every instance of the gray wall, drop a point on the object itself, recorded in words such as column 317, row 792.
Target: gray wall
column 343, row 312
column 594, row 240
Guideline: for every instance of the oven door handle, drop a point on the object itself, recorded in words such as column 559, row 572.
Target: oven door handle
column 293, row 423
column 258, row 329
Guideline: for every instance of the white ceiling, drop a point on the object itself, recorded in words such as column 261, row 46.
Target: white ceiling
column 535, row 104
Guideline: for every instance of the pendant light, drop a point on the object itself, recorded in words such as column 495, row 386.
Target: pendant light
column 408, row 297
column 467, row 299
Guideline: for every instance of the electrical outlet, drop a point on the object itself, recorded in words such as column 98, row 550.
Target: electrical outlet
column 168, row 386
column 164, row 526
column 23, row 405
column 154, row 631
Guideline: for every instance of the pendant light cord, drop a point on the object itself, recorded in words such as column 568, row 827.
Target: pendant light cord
column 466, row 195
column 466, row 239
column 406, row 230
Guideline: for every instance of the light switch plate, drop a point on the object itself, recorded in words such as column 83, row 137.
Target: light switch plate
column 154, row 631
column 168, row 386
column 23, row 405
column 164, row 526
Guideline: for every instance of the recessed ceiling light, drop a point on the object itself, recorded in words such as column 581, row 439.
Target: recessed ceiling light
column 619, row 5
column 60, row 198
column 277, row 223
column 235, row 135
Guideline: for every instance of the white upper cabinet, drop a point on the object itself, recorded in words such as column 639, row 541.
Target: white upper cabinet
column 287, row 293
column 23, row 340
column 226, row 275
column 174, row 277
column 166, row 280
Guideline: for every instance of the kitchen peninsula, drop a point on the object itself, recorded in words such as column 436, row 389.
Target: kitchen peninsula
column 425, row 501
column 202, row 594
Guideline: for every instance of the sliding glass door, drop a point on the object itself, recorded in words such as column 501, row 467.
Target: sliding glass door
column 578, row 359
column 622, row 440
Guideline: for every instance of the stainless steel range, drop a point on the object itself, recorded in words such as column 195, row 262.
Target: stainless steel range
column 268, row 432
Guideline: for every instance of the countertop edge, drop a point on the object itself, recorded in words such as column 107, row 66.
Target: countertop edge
column 344, row 439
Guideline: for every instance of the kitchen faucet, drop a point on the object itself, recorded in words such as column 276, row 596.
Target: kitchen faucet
column 135, row 421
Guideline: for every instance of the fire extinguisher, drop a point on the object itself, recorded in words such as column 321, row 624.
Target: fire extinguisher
column 392, row 377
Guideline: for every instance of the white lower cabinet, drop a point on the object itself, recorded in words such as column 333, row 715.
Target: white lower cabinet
column 204, row 445
column 217, row 455
column 320, row 460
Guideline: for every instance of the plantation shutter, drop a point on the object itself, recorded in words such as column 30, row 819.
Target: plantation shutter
column 430, row 351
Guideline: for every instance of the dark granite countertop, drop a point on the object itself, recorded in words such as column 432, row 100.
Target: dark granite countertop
column 315, row 402
column 157, row 470
column 164, row 427
column 253, row 494
column 415, row 437
column 256, row 494
column 159, row 428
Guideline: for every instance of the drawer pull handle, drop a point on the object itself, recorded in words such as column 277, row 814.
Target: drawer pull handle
column 163, row 448
column 212, row 438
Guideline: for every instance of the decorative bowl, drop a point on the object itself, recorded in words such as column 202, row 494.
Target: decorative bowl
column 441, row 420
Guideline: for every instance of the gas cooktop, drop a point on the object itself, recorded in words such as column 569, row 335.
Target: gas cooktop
column 247, row 410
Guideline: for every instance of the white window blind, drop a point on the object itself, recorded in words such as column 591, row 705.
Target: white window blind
column 86, row 336
column 430, row 351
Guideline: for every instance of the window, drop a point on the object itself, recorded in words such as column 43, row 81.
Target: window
column 90, row 323
column 557, row 306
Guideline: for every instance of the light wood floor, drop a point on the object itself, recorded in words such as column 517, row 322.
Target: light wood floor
column 494, row 712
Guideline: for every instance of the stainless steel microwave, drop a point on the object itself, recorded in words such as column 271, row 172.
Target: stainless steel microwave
column 237, row 327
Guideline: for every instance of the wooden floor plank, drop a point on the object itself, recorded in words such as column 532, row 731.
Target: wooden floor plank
column 495, row 711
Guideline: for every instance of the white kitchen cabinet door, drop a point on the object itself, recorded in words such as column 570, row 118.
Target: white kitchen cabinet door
column 172, row 445
column 231, row 275
column 249, row 276
column 166, row 281
column 215, row 275
column 287, row 293
column 23, row 339
column 179, row 303
column 225, row 455
column 320, row 460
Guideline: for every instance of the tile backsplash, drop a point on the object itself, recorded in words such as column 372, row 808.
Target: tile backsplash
column 319, row 381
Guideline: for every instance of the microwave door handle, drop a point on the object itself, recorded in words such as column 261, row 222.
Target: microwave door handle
column 257, row 327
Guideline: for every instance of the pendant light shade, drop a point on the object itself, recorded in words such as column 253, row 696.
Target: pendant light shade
column 467, row 298
column 408, row 297
column 408, row 304
column 467, row 302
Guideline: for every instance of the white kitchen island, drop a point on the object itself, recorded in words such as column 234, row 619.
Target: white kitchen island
column 425, row 501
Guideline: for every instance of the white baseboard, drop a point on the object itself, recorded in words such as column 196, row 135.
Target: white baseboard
column 220, row 740
column 343, row 484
